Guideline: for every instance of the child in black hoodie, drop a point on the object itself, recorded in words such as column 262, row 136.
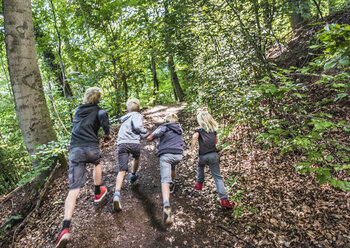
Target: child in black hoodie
column 170, row 150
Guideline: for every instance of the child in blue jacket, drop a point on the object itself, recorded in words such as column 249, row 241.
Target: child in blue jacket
column 170, row 150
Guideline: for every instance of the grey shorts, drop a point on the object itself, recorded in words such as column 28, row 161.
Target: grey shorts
column 78, row 158
column 167, row 164
column 124, row 150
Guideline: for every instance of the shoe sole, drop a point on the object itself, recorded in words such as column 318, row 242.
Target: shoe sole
column 101, row 197
column 116, row 204
column 168, row 220
column 63, row 241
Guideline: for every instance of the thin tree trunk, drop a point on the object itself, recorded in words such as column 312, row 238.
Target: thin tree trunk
column 32, row 111
column 178, row 93
column 125, row 85
column 66, row 89
column 154, row 73
column 175, row 79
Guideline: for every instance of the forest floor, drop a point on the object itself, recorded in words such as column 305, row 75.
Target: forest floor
column 275, row 206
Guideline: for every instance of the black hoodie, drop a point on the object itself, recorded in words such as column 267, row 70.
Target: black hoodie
column 171, row 140
column 87, row 121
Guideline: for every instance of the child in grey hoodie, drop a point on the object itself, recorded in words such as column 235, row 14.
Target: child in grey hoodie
column 170, row 150
column 129, row 135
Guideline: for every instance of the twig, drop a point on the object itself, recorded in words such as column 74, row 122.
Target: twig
column 231, row 232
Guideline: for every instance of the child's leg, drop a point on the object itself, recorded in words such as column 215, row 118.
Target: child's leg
column 70, row 203
column 123, row 159
column 98, row 174
column 173, row 174
column 119, row 180
column 200, row 173
column 135, row 165
column 214, row 163
column 165, row 173
column 135, row 150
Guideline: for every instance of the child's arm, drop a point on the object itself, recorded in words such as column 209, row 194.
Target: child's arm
column 104, row 121
column 193, row 143
column 137, row 121
column 157, row 133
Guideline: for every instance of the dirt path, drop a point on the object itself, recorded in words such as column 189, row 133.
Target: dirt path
column 276, row 207
column 140, row 222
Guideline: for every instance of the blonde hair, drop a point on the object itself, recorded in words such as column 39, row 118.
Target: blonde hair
column 133, row 105
column 206, row 121
column 171, row 118
column 92, row 95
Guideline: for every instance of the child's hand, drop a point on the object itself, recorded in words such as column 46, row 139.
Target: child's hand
column 190, row 153
column 150, row 138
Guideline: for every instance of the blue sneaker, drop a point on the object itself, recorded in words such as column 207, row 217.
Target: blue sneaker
column 117, row 206
column 133, row 178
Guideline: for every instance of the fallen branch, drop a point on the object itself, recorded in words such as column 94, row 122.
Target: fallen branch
column 51, row 178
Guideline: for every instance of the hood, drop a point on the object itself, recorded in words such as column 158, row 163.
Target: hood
column 84, row 110
column 127, row 116
column 175, row 127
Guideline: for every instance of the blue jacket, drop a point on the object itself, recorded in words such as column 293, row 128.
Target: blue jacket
column 131, row 129
column 171, row 140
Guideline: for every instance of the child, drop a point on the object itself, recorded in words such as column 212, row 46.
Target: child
column 129, row 136
column 208, row 154
column 170, row 150
column 84, row 148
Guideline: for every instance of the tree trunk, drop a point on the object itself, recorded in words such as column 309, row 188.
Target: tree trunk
column 175, row 79
column 178, row 93
column 154, row 73
column 32, row 111
column 125, row 85
column 66, row 89
column 46, row 51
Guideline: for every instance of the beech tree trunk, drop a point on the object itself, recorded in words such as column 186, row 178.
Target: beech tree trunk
column 32, row 111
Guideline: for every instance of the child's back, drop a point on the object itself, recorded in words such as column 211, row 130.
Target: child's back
column 131, row 128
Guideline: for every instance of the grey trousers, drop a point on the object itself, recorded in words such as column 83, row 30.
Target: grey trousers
column 212, row 159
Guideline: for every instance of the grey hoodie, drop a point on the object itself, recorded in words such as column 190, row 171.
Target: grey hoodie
column 131, row 129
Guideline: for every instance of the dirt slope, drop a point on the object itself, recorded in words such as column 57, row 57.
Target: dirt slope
column 276, row 207
column 140, row 222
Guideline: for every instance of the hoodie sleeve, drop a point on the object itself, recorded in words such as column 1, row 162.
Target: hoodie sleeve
column 159, row 132
column 137, row 121
column 103, row 118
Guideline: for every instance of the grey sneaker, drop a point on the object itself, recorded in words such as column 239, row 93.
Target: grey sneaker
column 117, row 206
column 167, row 216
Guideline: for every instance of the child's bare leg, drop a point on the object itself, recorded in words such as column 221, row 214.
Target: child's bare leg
column 119, row 181
column 70, row 203
column 98, row 174
column 173, row 174
column 135, row 165
column 166, row 192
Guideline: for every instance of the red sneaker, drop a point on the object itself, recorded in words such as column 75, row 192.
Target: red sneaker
column 99, row 197
column 63, row 239
column 226, row 204
column 198, row 186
